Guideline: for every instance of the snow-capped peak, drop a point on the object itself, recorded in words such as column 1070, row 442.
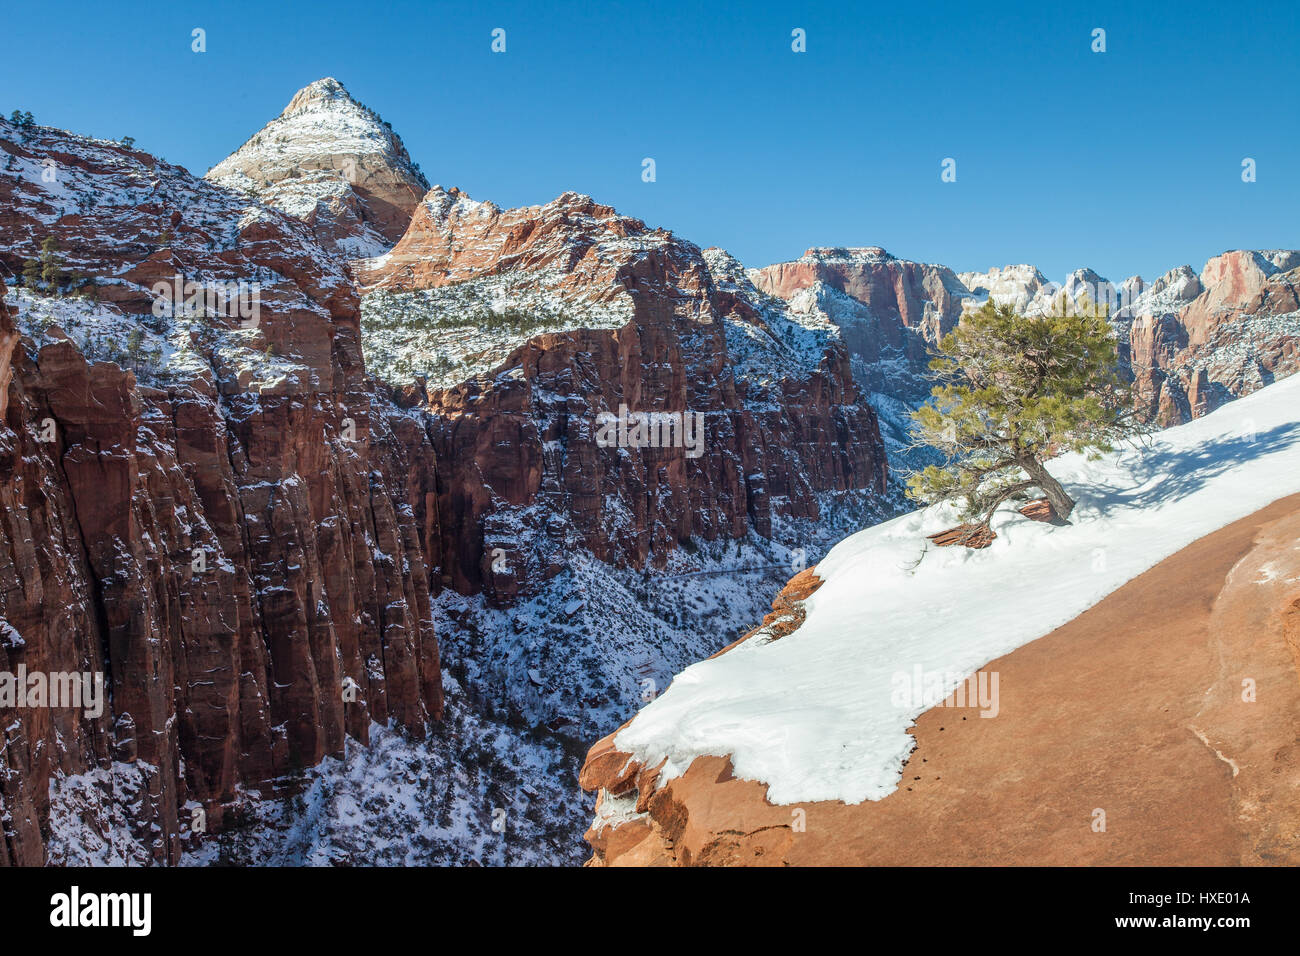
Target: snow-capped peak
column 333, row 162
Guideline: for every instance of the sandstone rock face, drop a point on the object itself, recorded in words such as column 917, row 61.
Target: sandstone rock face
column 8, row 342
column 1020, row 286
column 1022, row 789
column 231, row 544
column 888, row 311
column 243, row 537
column 573, row 240
column 1194, row 342
column 333, row 163
column 631, row 317
column 903, row 294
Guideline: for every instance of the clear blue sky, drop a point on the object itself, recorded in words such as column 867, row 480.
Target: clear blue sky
column 1127, row 161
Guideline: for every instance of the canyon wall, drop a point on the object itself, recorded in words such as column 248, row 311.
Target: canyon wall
column 235, row 543
column 523, row 476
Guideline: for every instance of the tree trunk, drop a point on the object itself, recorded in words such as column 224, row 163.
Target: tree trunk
column 1061, row 502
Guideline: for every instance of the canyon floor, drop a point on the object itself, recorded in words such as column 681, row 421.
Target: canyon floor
column 1137, row 708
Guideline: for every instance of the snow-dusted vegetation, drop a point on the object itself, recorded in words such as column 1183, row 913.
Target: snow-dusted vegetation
column 454, row 332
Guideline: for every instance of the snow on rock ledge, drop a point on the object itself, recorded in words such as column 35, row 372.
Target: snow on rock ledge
column 812, row 715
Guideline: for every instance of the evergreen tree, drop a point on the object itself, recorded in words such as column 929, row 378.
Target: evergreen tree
column 51, row 265
column 135, row 346
column 1014, row 391
column 31, row 274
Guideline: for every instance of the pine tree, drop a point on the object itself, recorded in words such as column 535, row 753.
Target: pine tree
column 31, row 274
column 134, row 346
column 1014, row 391
column 51, row 266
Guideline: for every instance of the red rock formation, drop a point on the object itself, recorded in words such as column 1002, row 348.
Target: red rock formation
column 314, row 531
column 318, row 509
column 333, row 163
column 901, row 293
column 1196, row 342
column 522, row 475
column 452, row 238
column 1024, row 788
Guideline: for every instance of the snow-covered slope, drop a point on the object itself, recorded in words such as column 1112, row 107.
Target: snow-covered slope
column 333, row 163
column 815, row 714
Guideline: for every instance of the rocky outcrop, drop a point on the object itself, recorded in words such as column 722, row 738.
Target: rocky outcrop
column 1070, row 772
column 1020, row 286
column 1194, row 342
column 926, row 299
column 239, row 546
column 231, row 526
column 333, row 163
column 639, row 320
column 889, row 312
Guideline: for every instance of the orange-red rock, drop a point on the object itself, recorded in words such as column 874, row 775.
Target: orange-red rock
column 1170, row 706
column 315, row 547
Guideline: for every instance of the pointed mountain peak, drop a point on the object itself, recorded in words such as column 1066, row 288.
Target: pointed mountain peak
column 333, row 162
column 323, row 90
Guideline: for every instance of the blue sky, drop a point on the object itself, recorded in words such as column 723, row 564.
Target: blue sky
column 1126, row 161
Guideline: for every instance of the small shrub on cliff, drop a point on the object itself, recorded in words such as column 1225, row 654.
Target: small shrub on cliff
column 1014, row 391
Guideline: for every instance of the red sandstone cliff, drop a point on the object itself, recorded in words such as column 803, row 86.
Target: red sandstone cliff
column 313, row 531
column 913, row 295
column 316, row 510
column 1198, row 341
column 642, row 319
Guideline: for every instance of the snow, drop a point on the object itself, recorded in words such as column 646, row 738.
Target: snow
column 782, row 338
column 95, row 816
column 1029, row 292
column 1168, row 294
column 452, row 333
column 9, row 636
column 306, row 160
column 403, row 801
column 811, row 715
